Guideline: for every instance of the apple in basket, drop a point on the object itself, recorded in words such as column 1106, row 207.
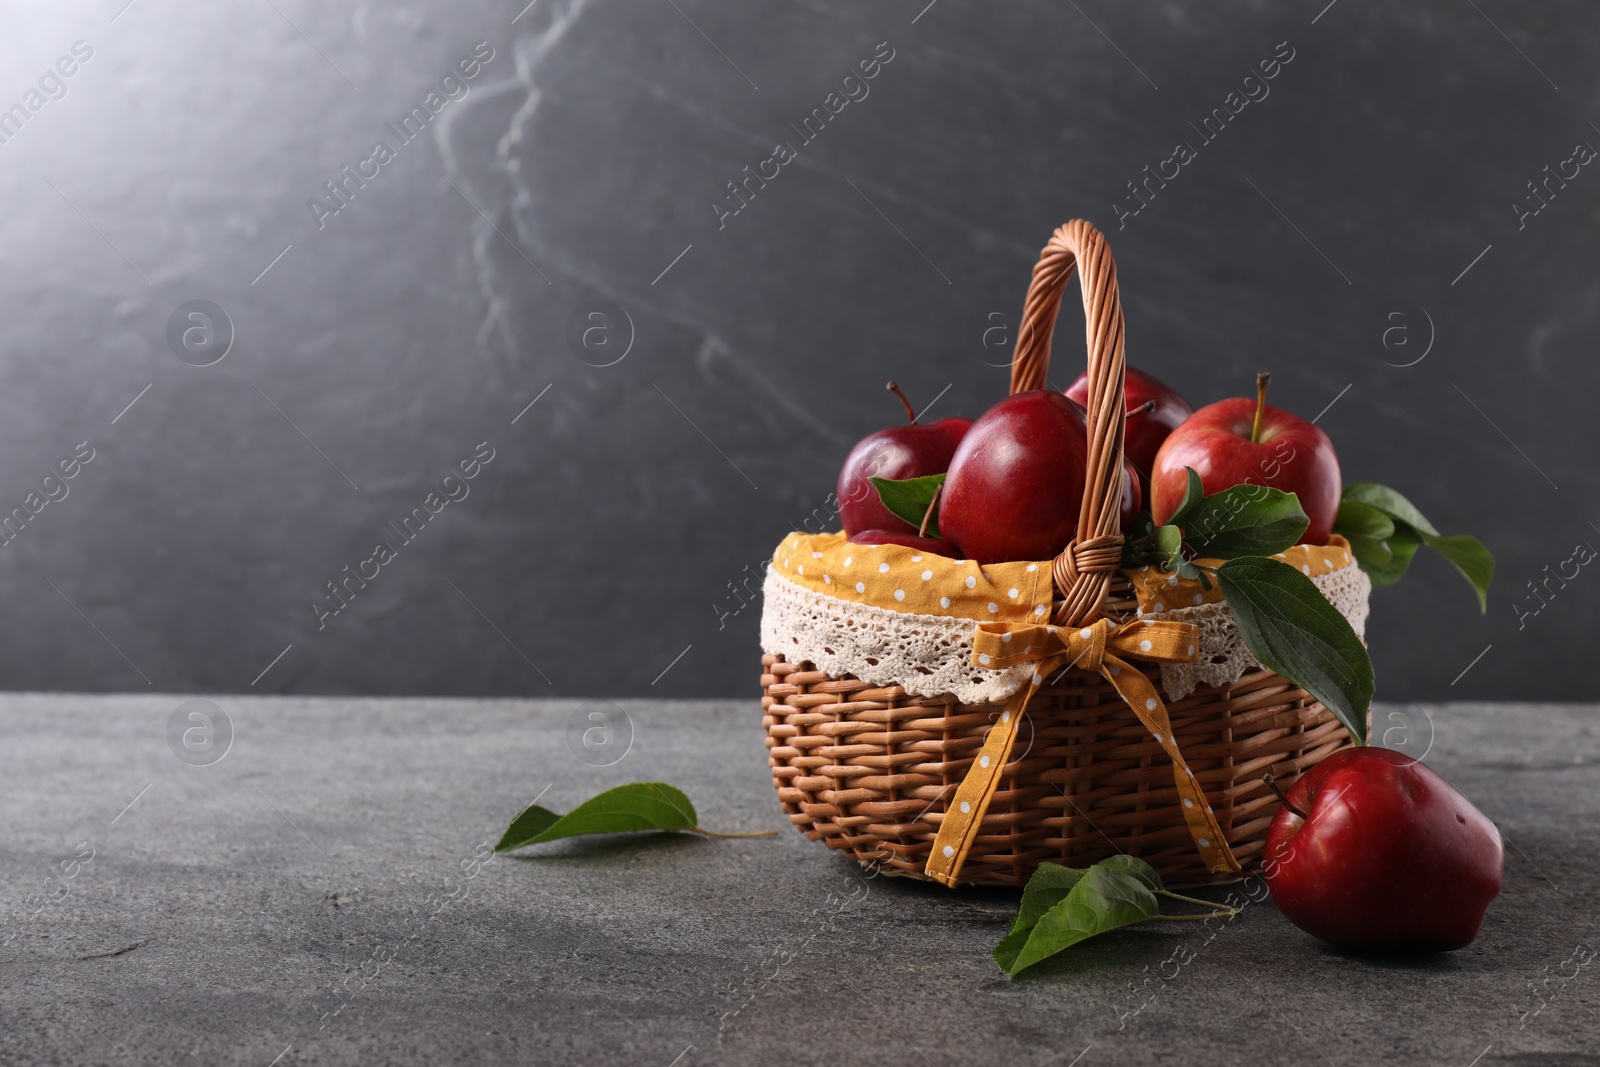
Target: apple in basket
column 937, row 545
column 914, row 450
column 1146, row 431
column 1239, row 441
column 1372, row 849
column 1016, row 482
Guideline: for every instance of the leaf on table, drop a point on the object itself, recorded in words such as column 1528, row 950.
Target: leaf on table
column 1291, row 628
column 1062, row 906
column 908, row 499
column 1245, row 520
column 637, row 806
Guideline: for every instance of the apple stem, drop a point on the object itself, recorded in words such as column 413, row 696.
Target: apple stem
column 1282, row 797
column 1261, row 405
column 927, row 516
column 1148, row 405
column 911, row 414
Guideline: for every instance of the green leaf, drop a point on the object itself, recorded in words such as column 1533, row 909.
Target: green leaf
column 1356, row 519
column 1245, row 520
column 1470, row 558
column 1169, row 543
column 1389, row 502
column 1185, row 569
column 1291, row 628
column 637, row 806
column 1136, row 543
column 1192, row 495
column 1401, row 547
column 908, row 499
column 1063, row 906
column 1048, row 887
column 1369, row 552
column 1468, row 554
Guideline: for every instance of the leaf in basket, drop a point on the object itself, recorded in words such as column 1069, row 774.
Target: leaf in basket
column 1389, row 502
column 908, row 499
column 1401, row 546
column 1291, row 628
column 1411, row 529
column 1356, row 519
column 1369, row 551
column 1193, row 493
column 1245, row 520
column 1062, row 906
column 1470, row 558
column 1136, row 546
column 1169, row 543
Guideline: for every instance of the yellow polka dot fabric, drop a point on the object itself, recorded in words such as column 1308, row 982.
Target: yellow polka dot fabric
column 918, row 583
column 1159, row 591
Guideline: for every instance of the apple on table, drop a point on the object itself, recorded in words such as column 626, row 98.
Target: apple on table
column 1373, row 849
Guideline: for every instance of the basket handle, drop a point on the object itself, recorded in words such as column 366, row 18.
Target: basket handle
column 1083, row 570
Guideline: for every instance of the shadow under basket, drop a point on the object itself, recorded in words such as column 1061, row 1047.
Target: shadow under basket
column 869, row 770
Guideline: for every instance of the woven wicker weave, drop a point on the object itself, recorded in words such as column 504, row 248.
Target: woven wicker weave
column 869, row 770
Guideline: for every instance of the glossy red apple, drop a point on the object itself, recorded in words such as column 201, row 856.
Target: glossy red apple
column 914, row 450
column 1241, row 440
column 1132, row 496
column 1144, row 433
column 1016, row 482
column 1372, row 849
column 937, row 545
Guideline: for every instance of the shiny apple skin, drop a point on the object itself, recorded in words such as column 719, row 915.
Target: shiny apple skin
column 937, row 545
column 1132, row 497
column 1293, row 455
column 1390, row 855
column 1016, row 482
column 915, row 450
column 1145, row 433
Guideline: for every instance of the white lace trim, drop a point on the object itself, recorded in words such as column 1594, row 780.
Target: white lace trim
column 1223, row 655
column 927, row 655
column 931, row 655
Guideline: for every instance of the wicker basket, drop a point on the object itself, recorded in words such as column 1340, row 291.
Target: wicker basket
column 871, row 770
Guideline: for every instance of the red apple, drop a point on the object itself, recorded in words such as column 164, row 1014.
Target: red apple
column 1144, row 433
column 937, row 545
column 1016, row 482
column 1132, row 496
column 1236, row 441
column 1372, row 849
column 911, row 451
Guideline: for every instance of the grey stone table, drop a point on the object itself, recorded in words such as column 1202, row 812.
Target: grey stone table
column 319, row 895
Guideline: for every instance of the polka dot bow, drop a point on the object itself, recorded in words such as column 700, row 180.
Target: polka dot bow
column 1098, row 647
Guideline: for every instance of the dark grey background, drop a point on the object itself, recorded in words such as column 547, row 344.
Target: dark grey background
column 621, row 508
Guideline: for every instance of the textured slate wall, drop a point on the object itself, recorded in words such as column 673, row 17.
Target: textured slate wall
column 1354, row 227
